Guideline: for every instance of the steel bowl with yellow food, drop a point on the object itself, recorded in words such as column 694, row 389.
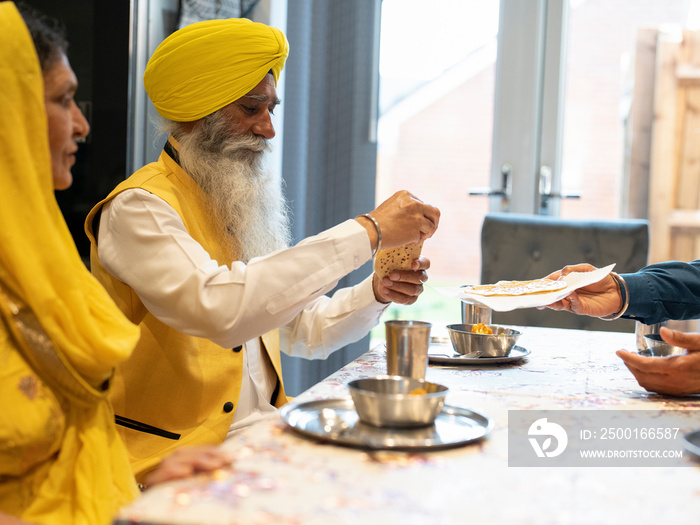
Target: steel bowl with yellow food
column 397, row 401
column 475, row 340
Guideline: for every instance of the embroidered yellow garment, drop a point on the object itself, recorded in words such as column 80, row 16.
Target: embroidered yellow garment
column 61, row 460
column 155, row 386
column 205, row 66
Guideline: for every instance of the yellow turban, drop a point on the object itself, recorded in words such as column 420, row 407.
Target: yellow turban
column 205, row 66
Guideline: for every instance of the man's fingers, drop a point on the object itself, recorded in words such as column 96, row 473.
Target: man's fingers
column 422, row 263
column 585, row 267
column 403, row 287
column 689, row 341
column 631, row 359
column 554, row 276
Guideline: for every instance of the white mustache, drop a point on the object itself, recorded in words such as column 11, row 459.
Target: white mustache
column 249, row 142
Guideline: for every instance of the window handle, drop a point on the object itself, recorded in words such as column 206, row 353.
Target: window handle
column 504, row 191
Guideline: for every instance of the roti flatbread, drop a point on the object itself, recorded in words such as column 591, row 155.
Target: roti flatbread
column 533, row 287
column 386, row 261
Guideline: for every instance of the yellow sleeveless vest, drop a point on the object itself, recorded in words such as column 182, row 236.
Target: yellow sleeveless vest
column 175, row 389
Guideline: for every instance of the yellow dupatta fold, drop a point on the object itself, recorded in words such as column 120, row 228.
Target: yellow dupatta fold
column 40, row 266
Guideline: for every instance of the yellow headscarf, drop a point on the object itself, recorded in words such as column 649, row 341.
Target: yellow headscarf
column 205, row 66
column 40, row 264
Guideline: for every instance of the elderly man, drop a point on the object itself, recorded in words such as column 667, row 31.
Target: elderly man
column 194, row 248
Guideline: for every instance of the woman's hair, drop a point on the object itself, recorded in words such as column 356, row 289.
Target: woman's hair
column 48, row 36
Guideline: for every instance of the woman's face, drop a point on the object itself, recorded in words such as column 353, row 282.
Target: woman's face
column 66, row 121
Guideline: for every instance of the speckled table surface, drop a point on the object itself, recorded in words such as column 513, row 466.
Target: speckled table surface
column 281, row 477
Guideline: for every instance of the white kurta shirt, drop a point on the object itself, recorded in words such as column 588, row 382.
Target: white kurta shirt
column 144, row 243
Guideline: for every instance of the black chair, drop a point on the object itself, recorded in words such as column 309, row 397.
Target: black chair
column 517, row 247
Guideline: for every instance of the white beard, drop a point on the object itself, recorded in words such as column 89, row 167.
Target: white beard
column 246, row 200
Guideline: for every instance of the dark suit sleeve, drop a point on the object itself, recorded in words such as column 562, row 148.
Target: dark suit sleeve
column 664, row 291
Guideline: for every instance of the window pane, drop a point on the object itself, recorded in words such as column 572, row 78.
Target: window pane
column 435, row 130
column 600, row 55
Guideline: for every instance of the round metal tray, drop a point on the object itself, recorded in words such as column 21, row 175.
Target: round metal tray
column 691, row 442
column 453, row 427
column 445, row 355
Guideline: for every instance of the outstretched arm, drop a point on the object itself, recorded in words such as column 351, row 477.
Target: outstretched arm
column 658, row 292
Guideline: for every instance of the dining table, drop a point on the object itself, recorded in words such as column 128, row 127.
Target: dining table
column 285, row 471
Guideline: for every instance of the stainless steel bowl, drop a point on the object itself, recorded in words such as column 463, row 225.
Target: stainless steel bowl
column 467, row 343
column 659, row 348
column 386, row 401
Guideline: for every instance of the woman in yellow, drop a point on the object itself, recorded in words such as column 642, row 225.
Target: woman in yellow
column 61, row 460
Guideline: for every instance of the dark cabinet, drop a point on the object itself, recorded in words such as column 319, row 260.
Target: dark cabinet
column 98, row 34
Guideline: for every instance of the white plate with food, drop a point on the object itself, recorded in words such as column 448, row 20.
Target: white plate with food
column 505, row 296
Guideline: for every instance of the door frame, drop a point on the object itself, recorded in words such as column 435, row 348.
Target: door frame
column 529, row 106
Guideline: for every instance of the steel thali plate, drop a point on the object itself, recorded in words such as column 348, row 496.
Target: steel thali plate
column 453, row 427
column 691, row 442
column 445, row 355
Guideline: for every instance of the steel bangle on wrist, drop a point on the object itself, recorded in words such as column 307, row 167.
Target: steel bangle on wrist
column 379, row 232
column 624, row 292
